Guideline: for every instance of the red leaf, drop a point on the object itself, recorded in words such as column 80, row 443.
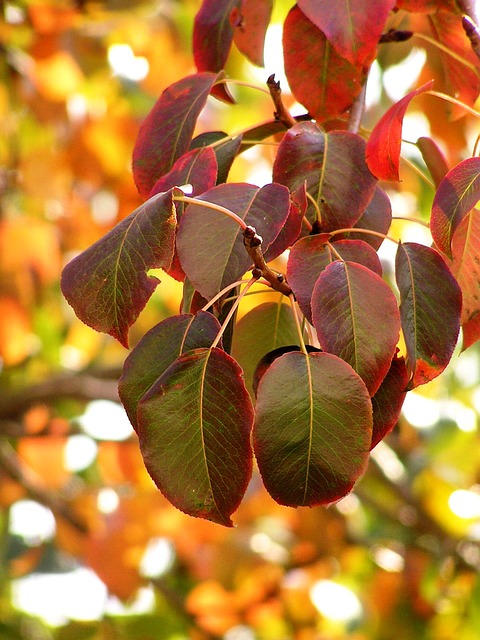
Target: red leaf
column 356, row 317
column 158, row 349
column 431, row 302
column 166, row 132
column 426, row 6
column 353, row 27
column 225, row 151
column 312, row 430
column 194, row 433
column 376, row 217
column 471, row 332
column 311, row 255
column 210, row 245
column 212, row 38
column 434, row 159
column 333, row 167
column 456, row 196
column 388, row 401
column 383, row 146
column 325, row 83
column 107, row 284
column 250, row 24
column 293, row 225
column 269, row 358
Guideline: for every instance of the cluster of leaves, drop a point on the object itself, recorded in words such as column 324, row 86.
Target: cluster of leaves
column 334, row 384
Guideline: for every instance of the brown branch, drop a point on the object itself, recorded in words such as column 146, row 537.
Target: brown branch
column 281, row 113
column 473, row 34
column 356, row 112
column 253, row 245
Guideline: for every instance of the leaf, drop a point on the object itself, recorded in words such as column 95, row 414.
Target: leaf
column 376, row 217
column 194, row 432
column 311, row 255
column 270, row 357
column 426, row 6
column 251, row 22
column 456, row 196
column 225, row 152
column 212, row 38
column 352, row 27
column 210, row 244
column 466, row 269
column 333, row 166
column 292, row 227
column 430, row 308
column 325, row 83
column 388, row 400
column 166, row 132
column 434, row 159
column 312, row 430
column 107, row 284
column 158, row 349
column 356, row 317
column 268, row 326
column 383, row 146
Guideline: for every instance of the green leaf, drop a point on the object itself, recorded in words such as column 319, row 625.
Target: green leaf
column 313, row 428
column 194, row 429
column 107, row 284
column 430, row 308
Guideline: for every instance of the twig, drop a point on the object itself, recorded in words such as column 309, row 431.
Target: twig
column 356, row 112
column 281, row 113
column 253, row 245
column 473, row 34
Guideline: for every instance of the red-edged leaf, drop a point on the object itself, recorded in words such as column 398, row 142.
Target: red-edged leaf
column 383, row 146
column 107, row 284
column 431, row 302
column 166, row 132
column 158, row 349
column 194, row 433
column 266, row 327
column 269, row 358
column 250, row 23
column 225, row 152
column 212, row 38
column 426, row 6
column 333, row 167
column 376, row 217
column 462, row 81
column 210, row 244
column 311, row 255
column 312, row 430
column 356, row 317
column 434, row 159
column 325, row 83
column 293, row 225
column 456, row 196
column 466, row 269
column 388, row 401
column 353, row 27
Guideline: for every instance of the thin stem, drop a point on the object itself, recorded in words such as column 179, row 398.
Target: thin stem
column 215, row 207
column 359, row 230
column 293, row 304
column 242, row 83
column 405, row 219
column 419, row 172
column 356, row 112
column 448, row 51
column 315, row 206
column 211, row 302
column 334, row 251
column 229, row 316
column 475, row 146
column 448, row 98
column 281, row 112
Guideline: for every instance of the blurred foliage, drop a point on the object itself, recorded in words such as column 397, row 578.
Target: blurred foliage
column 404, row 546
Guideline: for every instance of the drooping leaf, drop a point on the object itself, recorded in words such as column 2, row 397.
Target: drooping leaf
column 313, row 428
column 324, row 82
column 352, row 27
column 166, row 132
column 388, row 401
column 158, row 349
column 107, row 285
column 377, row 217
column 333, row 167
column 356, row 317
column 210, row 244
column 194, row 430
column 271, row 356
column 456, row 196
column 431, row 302
column 266, row 327
column 434, row 159
column 225, row 152
column 466, row 269
column 250, row 23
column 311, row 255
column 383, row 146
column 212, row 38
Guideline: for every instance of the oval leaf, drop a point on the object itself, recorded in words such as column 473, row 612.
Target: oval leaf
column 383, row 146
column 312, row 430
column 210, row 244
column 325, row 83
column 194, row 432
column 388, row 401
column 376, row 217
column 107, row 284
column 433, row 158
column 156, row 351
column 356, row 317
column 430, row 308
column 333, row 166
column 456, row 196
column 251, row 23
column 225, row 151
column 353, row 27
column 166, row 132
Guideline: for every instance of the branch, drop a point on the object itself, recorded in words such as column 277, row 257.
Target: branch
column 253, row 244
column 281, row 113
column 356, row 112
column 473, row 34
